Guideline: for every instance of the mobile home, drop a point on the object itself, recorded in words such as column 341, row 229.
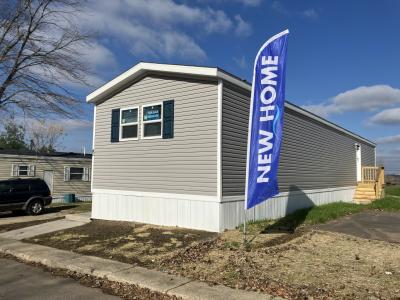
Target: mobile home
column 64, row 172
column 170, row 149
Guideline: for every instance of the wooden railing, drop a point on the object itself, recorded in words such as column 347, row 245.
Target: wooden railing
column 376, row 176
column 380, row 183
column 369, row 174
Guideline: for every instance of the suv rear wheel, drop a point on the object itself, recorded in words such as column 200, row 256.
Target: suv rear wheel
column 35, row 207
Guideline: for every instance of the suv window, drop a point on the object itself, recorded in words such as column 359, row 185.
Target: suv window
column 39, row 186
column 4, row 187
column 21, row 187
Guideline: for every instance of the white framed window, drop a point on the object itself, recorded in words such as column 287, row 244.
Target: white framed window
column 77, row 174
column 152, row 121
column 23, row 170
column 18, row 170
column 129, row 123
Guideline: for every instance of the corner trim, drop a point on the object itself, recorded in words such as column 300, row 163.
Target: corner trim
column 219, row 140
column 93, row 142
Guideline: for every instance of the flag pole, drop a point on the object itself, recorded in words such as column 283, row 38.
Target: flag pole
column 267, row 129
column 245, row 214
column 244, row 227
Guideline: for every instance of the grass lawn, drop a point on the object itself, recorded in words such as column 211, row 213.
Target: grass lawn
column 325, row 213
column 77, row 207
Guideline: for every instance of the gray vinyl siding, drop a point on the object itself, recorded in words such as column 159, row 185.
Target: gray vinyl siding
column 185, row 164
column 60, row 187
column 313, row 155
column 367, row 155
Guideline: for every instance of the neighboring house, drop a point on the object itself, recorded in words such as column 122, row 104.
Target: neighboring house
column 170, row 149
column 64, row 173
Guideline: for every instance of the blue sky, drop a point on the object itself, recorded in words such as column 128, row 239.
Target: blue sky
column 343, row 56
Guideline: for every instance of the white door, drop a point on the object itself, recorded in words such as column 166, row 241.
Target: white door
column 358, row 162
column 48, row 178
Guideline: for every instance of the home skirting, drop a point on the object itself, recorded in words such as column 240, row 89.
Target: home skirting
column 205, row 212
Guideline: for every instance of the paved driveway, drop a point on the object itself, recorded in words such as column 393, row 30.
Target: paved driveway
column 20, row 281
column 49, row 213
column 374, row 225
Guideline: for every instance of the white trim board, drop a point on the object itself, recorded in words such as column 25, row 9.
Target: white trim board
column 284, row 194
column 209, row 72
column 210, row 198
column 93, row 143
column 158, row 195
column 219, row 140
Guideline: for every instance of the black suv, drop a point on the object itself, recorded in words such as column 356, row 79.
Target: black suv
column 30, row 195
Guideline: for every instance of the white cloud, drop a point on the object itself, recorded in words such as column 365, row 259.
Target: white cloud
column 310, row 13
column 249, row 2
column 98, row 55
column 393, row 139
column 74, row 124
column 282, row 9
column 387, row 117
column 67, row 124
column 241, row 61
column 158, row 28
column 364, row 98
column 168, row 13
column 243, row 28
column 243, row 2
column 90, row 53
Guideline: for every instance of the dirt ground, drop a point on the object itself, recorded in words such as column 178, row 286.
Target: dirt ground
column 128, row 242
column 307, row 264
column 317, row 264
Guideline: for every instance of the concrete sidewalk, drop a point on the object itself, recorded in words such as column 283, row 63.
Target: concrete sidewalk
column 125, row 273
column 20, row 281
column 8, row 218
column 31, row 231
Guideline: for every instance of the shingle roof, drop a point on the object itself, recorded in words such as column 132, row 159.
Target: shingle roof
column 54, row 154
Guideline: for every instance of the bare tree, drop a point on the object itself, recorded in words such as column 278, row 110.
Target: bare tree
column 39, row 52
column 44, row 138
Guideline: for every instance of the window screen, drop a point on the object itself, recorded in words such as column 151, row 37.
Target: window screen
column 152, row 121
column 129, row 123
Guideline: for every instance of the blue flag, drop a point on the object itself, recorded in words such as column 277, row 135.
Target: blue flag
column 266, row 121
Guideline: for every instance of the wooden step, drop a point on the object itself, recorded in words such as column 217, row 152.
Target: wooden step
column 365, row 184
column 362, row 201
column 363, row 197
column 365, row 189
column 365, row 193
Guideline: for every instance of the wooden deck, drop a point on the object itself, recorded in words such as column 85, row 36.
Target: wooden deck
column 371, row 186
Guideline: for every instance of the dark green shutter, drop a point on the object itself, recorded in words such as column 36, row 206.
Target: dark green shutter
column 168, row 119
column 115, row 125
